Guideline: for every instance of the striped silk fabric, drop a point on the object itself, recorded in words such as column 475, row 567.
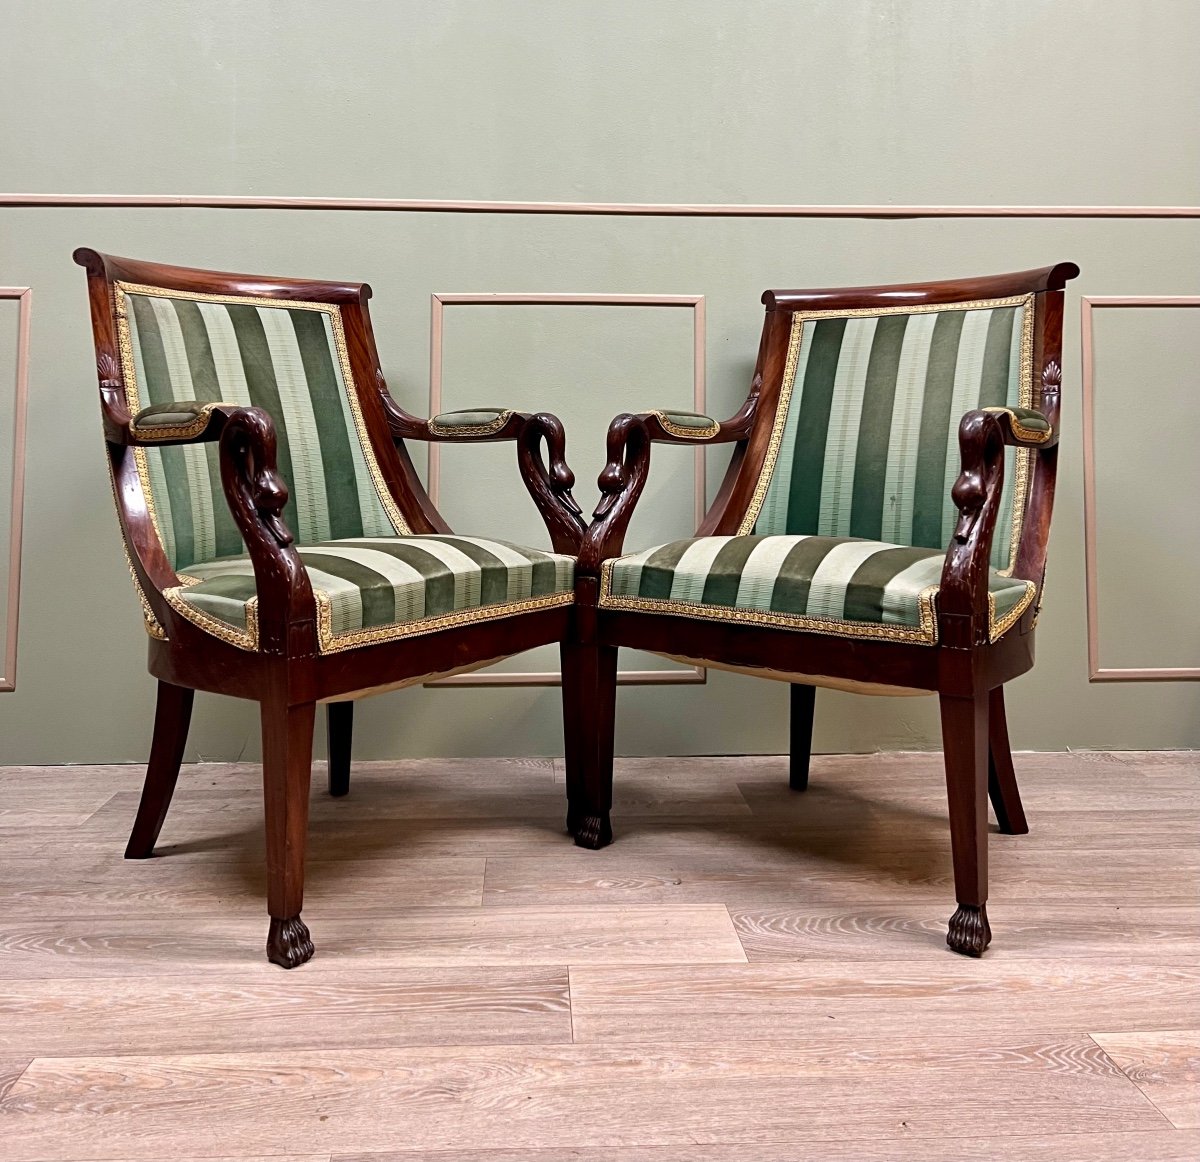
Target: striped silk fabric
column 838, row 585
column 867, row 436
column 376, row 588
column 286, row 359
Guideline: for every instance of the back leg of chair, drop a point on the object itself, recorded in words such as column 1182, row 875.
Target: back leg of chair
column 339, row 720
column 589, row 721
column 1002, row 779
column 172, row 716
column 803, row 704
column 965, row 742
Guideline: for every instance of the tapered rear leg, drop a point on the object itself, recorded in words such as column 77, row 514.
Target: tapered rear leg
column 589, row 709
column 339, row 720
column 965, row 741
column 1002, row 779
column 172, row 716
column 287, row 772
column 803, row 704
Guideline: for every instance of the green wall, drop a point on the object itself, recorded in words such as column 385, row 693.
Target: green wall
column 930, row 102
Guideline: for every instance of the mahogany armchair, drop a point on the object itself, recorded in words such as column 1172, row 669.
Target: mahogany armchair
column 855, row 543
column 280, row 541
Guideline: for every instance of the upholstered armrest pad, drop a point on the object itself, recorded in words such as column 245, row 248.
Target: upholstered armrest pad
column 179, row 420
column 475, row 422
column 687, row 425
column 1027, row 425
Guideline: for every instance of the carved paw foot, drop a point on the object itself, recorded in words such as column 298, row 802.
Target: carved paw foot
column 288, row 943
column 970, row 933
column 591, row 831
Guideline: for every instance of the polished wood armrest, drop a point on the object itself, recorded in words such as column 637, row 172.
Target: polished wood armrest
column 548, row 480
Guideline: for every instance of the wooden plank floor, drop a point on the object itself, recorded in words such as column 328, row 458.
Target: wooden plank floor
column 747, row 973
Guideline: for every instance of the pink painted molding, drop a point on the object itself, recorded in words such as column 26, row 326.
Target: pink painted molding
column 12, row 605
column 1096, row 671
column 437, row 307
column 636, row 209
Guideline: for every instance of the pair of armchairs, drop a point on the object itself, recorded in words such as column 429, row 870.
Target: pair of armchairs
column 284, row 550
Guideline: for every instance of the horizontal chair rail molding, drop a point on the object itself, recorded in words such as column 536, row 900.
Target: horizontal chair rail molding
column 613, row 209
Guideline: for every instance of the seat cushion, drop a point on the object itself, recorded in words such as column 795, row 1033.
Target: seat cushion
column 836, row 585
column 371, row 589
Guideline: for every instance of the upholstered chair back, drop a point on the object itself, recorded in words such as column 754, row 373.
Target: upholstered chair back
column 288, row 358
column 865, row 440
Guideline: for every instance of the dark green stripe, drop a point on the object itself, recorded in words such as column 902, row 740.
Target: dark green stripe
column 439, row 577
column 206, row 386
column 341, row 488
column 157, row 389
column 993, row 382
column 875, row 427
column 658, row 572
column 264, row 392
column 725, row 573
column 792, row 586
column 375, row 590
column 929, row 485
column 864, row 593
column 239, row 586
column 493, row 573
column 812, row 427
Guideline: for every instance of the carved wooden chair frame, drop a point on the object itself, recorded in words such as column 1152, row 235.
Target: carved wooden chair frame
column 962, row 664
column 287, row 673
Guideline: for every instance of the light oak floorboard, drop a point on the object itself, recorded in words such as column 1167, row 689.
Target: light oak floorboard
column 456, row 1097
column 897, row 999
column 897, row 931
column 1165, row 1066
column 405, row 938
column 1144, row 1146
column 322, row 1008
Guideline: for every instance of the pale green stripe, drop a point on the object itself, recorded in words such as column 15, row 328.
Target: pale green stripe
column 375, row 521
column 899, row 594
column 832, row 577
column 967, row 373
column 308, row 471
column 159, row 493
column 773, row 518
column 195, row 457
column 900, row 478
column 761, row 571
column 693, row 567
column 468, row 576
column 227, row 609
column 227, row 355
column 408, row 583
column 345, row 600
column 837, row 482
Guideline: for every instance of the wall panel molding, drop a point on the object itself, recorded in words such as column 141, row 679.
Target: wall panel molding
column 1096, row 671
column 437, row 308
column 642, row 209
column 12, row 604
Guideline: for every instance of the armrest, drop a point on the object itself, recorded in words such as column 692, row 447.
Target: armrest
column 676, row 427
column 181, row 422
column 1024, row 427
column 469, row 425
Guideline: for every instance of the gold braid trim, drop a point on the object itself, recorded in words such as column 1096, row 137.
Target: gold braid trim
column 685, row 433
column 1033, row 435
column 331, row 643
column 244, row 639
column 997, row 629
column 449, row 431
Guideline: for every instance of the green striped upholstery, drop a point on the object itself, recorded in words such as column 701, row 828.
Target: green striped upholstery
column 866, row 440
column 840, row 585
column 377, row 588
column 286, row 358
